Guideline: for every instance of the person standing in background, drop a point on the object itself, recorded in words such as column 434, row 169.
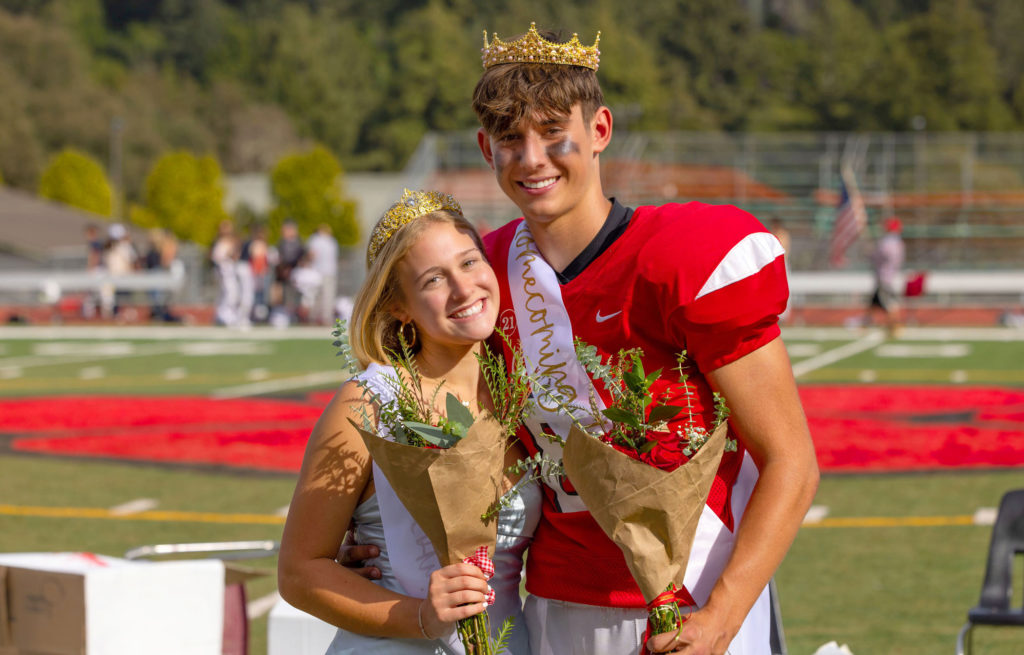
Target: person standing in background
column 224, row 257
column 94, row 248
column 887, row 262
column 252, row 276
column 119, row 258
column 323, row 250
column 290, row 250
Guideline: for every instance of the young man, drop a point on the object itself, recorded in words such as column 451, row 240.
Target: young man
column 709, row 280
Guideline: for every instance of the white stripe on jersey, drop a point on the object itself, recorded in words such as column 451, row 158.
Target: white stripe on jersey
column 750, row 255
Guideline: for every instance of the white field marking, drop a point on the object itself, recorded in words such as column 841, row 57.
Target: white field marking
column 257, row 374
column 284, row 384
column 815, row 513
column 101, row 348
column 803, row 349
column 985, row 516
column 134, row 506
column 282, row 511
column 260, row 606
column 92, row 373
column 10, row 372
column 949, row 350
column 867, row 376
column 165, row 333
column 175, row 373
column 908, row 334
column 958, row 376
column 828, row 357
column 47, row 360
column 216, row 348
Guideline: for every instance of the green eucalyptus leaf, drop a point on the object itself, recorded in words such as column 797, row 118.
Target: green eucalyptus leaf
column 432, row 434
column 458, row 413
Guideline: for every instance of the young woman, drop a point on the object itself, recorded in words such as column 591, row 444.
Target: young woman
column 427, row 278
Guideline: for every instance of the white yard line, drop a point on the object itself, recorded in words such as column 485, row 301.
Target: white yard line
column 985, row 516
column 134, row 506
column 175, row 373
column 828, row 357
column 898, row 350
column 92, row 373
column 908, row 334
column 282, row 511
column 283, row 384
column 160, row 333
column 29, row 361
column 816, row 513
column 260, row 606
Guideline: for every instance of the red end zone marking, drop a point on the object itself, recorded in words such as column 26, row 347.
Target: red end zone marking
column 908, row 428
column 855, row 428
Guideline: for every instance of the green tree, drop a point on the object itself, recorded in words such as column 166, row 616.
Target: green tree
column 946, row 70
column 713, row 43
column 76, row 179
column 307, row 189
column 321, row 70
column 183, row 194
column 843, row 60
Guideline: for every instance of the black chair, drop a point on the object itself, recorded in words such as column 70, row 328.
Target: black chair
column 997, row 590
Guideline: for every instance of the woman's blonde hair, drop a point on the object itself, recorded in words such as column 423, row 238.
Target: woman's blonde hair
column 373, row 330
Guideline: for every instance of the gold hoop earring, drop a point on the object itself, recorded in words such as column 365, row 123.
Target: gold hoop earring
column 409, row 341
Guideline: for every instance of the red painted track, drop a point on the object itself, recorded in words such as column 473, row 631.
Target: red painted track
column 855, row 428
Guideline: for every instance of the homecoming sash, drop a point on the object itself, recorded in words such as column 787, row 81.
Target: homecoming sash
column 546, row 337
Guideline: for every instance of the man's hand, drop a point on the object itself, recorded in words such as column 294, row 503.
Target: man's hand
column 698, row 636
column 353, row 556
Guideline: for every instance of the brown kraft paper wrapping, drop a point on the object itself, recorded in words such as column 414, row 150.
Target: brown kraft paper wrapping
column 447, row 490
column 651, row 514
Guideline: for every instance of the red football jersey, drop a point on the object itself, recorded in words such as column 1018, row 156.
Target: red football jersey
column 706, row 279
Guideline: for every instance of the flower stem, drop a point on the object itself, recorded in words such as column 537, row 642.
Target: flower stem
column 476, row 634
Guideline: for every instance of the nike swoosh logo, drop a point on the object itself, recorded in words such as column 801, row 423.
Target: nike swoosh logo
column 602, row 319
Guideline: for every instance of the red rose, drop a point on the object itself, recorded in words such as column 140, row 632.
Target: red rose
column 667, row 453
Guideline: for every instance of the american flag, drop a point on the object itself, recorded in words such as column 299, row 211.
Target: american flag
column 851, row 218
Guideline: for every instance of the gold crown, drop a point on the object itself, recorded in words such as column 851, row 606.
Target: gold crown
column 535, row 49
column 409, row 207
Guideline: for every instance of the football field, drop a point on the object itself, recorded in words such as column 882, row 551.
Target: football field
column 113, row 438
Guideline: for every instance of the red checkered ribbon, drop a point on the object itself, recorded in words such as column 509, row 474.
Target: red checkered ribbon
column 483, row 561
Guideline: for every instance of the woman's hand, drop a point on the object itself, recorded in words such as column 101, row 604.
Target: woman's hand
column 456, row 592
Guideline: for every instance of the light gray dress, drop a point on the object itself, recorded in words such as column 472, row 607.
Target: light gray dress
column 516, row 524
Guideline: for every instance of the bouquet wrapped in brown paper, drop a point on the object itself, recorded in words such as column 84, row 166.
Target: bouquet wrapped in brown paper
column 644, row 485
column 447, row 469
column 432, row 483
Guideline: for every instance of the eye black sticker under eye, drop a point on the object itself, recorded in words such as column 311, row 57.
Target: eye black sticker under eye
column 563, row 148
column 502, row 158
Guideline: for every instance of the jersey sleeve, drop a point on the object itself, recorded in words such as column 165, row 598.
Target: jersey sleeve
column 733, row 287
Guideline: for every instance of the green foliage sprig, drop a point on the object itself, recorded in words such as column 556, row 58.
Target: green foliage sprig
column 412, row 418
column 634, row 413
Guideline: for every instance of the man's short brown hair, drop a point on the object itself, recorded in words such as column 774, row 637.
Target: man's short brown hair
column 508, row 93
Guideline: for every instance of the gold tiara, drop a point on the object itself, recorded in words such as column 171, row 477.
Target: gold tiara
column 409, row 207
column 535, row 49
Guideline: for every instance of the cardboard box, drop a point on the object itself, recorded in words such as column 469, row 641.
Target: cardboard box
column 291, row 631
column 85, row 604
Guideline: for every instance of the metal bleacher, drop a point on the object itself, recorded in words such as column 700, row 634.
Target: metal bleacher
column 960, row 195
